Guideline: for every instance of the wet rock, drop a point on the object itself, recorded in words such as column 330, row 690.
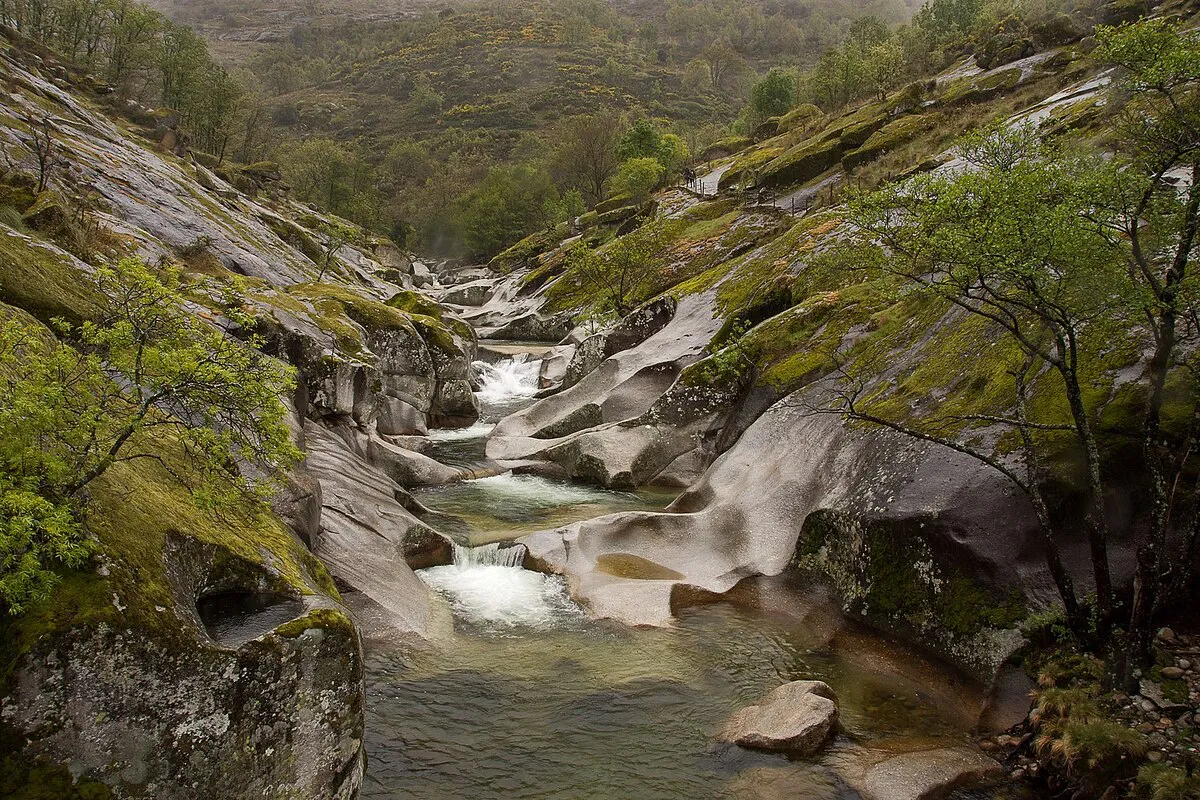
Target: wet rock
column 922, row 774
column 797, row 717
column 588, row 355
column 640, row 325
column 409, row 468
column 534, row 327
column 470, row 294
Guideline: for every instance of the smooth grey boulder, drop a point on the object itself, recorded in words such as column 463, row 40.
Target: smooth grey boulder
column 535, row 327
column 368, row 530
column 797, row 718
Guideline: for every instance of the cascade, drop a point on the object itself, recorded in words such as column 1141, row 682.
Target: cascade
column 496, row 554
column 511, row 379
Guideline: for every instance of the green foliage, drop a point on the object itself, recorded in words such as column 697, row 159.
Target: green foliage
column 508, row 205
column 637, row 178
column 774, row 95
column 615, row 276
column 644, row 140
column 37, row 536
column 1164, row 782
column 12, row 218
column 331, row 176
column 142, row 369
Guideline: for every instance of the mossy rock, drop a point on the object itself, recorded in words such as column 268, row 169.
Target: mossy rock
column 45, row 281
column 767, row 128
column 858, row 133
column 613, row 203
column 895, row 133
column 48, row 213
column 979, row 89
column 415, row 303
column 524, row 253
column 799, row 117
column 17, row 196
column 722, row 148
column 801, row 164
column 747, row 165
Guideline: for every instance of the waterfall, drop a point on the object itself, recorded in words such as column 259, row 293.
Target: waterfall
column 487, row 586
column 511, row 379
column 496, row 554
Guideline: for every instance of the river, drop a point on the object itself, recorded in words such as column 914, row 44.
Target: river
column 520, row 695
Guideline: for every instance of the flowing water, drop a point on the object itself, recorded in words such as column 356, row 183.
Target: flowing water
column 528, row 698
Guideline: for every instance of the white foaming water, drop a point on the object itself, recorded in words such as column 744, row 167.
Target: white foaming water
column 513, row 378
column 487, row 585
column 476, row 431
column 536, row 491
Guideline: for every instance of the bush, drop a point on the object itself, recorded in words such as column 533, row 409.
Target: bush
column 637, row 178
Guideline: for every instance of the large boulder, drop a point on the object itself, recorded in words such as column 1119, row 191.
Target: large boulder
column 797, row 718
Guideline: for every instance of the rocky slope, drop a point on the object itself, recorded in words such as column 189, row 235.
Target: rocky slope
column 199, row 650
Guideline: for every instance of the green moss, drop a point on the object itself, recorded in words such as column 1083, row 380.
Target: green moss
column 415, row 303
column 332, row 300
column 21, row 779
column 746, row 167
column 322, row 618
column 889, row 137
column 43, row 280
column 977, row 89
column 801, row 115
column 801, row 164
column 133, row 509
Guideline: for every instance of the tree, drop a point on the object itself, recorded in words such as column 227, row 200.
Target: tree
column 884, row 67
column 1007, row 240
column 774, row 95
column 723, row 63
column 585, row 154
column 620, row 272
column 41, row 144
column 508, row 205
column 331, row 176
column 144, row 377
column 638, row 177
column 1157, row 94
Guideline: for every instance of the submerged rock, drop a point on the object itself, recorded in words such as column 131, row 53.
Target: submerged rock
column 920, row 774
column 797, row 717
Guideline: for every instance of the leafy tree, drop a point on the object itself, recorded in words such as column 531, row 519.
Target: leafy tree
column 644, row 139
column 638, row 177
column 143, row 372
column 510, row 204
column 585, row 154
column 885, row 67
column 774, row 95
column 622, row 271
column 1007, row 240
column 325, row 173
column 1157, row 97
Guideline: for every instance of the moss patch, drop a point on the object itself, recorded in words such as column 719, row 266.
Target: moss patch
column 43, row 280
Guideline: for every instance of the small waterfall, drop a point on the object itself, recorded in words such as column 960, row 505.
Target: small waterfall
column 489, row 555
column 486, row 586
column 511, row 379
